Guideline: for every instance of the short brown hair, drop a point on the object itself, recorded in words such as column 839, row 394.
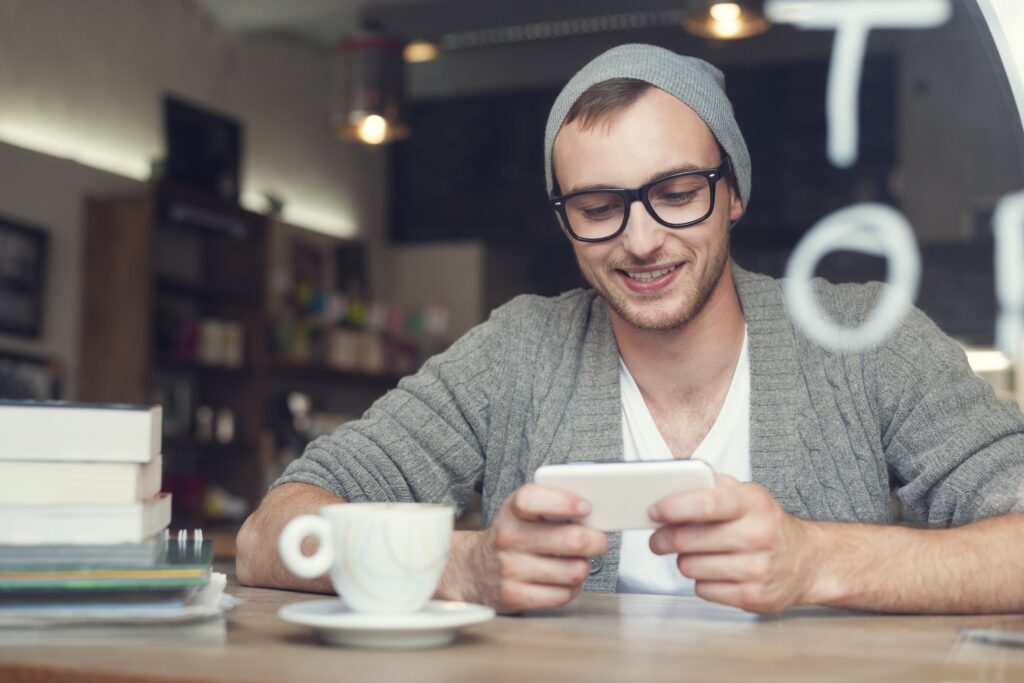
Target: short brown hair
column 604, row 99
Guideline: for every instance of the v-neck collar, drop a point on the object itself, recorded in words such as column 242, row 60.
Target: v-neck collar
column 775, row 382
column 642, row 418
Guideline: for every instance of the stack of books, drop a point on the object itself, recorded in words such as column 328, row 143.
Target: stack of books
column 84, row 547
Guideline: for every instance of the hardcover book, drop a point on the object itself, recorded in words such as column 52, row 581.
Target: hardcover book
column 91, row 432
column 85, row 524
column 40, row 482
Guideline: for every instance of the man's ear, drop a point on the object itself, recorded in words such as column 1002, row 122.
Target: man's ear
column 735, row 204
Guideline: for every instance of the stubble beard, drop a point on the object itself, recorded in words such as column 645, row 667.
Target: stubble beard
column 694, row 297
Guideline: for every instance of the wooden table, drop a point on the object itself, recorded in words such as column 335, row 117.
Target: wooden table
column 600, row 637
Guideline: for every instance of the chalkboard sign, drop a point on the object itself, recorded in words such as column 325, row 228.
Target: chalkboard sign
column 474, row 167
column 781, row 110
column 204, row 148
column 22, row 277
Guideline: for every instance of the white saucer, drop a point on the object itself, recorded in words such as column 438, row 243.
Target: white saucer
column 434, row 625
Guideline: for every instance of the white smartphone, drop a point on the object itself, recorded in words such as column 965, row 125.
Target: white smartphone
column 620, row 493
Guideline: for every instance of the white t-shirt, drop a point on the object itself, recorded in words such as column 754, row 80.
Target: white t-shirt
column 726, row 447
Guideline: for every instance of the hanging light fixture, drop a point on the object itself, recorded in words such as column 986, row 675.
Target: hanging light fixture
column 417, row 51
column 370, row 97
column 725, row 20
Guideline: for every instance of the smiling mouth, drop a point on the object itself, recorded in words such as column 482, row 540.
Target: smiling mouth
column 648, row 276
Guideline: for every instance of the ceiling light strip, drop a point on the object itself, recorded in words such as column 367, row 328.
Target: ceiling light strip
column 564, row 28
column 126, row 162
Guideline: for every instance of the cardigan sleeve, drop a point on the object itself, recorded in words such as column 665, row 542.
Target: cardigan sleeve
column 954, row 453
column 423, row 441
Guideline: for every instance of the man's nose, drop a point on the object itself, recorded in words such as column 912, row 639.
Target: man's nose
column 643, row 236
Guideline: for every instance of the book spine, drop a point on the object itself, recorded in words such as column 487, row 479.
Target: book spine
column 84, row 524
column 80, row 434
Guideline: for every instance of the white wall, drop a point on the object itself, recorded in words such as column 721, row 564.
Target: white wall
column 49, row 193
column 85, row 80
column 93, row 73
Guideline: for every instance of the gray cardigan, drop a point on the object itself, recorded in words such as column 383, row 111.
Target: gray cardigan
column 831, row 435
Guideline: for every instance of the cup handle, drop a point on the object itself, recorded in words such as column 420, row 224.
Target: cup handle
column 290, row 546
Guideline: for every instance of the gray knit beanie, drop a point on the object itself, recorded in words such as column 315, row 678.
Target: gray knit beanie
column 693, row 81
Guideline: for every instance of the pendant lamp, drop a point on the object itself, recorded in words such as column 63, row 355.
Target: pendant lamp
column 369, row 105
column 725, row 20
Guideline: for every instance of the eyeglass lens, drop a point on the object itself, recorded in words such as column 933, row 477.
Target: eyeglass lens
column 674, row 200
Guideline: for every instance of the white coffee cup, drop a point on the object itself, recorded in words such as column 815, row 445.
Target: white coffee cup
column 382, row 557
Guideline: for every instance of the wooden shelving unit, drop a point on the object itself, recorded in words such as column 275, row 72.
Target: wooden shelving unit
column 134, row 250
column 167, row 255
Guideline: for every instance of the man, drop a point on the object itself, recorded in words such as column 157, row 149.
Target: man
column 677, row 352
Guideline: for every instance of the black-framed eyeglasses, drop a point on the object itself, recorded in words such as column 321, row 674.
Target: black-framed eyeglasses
column 677, row 200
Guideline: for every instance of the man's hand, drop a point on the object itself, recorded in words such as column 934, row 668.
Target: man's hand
column 523, row 561
column 739, row 545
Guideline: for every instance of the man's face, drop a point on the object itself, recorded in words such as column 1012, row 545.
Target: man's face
column 654, row 136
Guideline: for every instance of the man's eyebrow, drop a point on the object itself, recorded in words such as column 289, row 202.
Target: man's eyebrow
column 654, row 176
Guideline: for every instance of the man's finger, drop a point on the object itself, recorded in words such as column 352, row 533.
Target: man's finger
column 699, row 538
column 534, row 502
column 742, row 568
column 555, row 571
column 746, row 596
column 517, row 596
column 708, row 505
column 560, row 540
column 722, row 592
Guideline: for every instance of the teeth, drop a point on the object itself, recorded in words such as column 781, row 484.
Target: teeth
column 647, row 277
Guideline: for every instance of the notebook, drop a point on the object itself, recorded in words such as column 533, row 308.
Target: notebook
column 142, row 554
column 179, row 565
column 198, row 631
column 194, row 616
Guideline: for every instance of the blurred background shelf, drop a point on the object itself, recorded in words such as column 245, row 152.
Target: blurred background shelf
column 286, row 367
column 178, row 364
column 179, row 443
column 184, row 289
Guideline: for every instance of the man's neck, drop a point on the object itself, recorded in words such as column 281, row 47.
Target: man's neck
column 685, row 368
